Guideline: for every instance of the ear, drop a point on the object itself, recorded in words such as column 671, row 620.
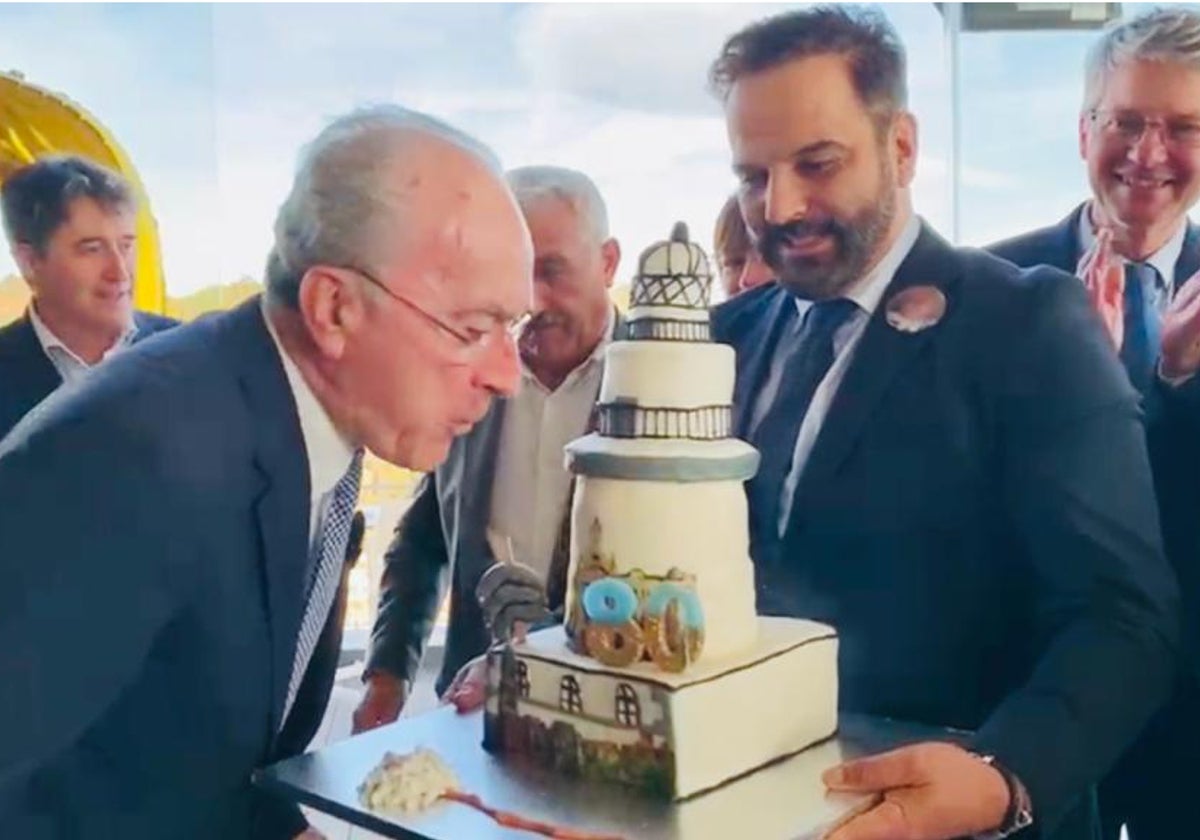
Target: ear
column 610, row 252
column 904, row 147
column 1084, row 136
column 27, row 260
column 332, row 309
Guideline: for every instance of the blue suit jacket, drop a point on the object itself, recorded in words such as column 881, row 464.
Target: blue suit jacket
column 153, row 545
column 977, row 521
column 1172, row 420
column 27, row 376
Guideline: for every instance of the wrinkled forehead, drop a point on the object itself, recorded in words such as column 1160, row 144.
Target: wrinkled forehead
column 461, row 240
column 85, row 216
column 774, row 113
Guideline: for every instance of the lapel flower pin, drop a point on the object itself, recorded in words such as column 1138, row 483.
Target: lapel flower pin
column 916, row 308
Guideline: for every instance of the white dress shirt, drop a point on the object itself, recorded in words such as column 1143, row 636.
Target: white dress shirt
column 70, row 367
column 531, row 485
column 866, row 293
column 329, row 454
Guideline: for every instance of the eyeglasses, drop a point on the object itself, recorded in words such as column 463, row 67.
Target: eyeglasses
column 1129, row 127
column 469, row 339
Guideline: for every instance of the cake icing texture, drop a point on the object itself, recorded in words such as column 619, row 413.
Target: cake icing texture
column 661, row 648
column 660, row 570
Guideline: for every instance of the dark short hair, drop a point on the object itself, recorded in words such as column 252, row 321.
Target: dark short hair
column 861, row 35
column 36, row 198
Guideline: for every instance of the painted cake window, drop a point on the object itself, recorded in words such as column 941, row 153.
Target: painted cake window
column 629, row 713
column 568, row 695
column 523, row 679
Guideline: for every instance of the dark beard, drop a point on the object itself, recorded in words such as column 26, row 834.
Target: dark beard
column 855, row 243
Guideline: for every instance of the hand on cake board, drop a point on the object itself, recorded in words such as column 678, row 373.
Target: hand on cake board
column 1181, row 332
column 310, row 833
column 1103, row 276
column 931, row 791
column 468, row 689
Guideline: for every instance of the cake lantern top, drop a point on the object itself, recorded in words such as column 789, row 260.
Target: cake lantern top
column 673, row 279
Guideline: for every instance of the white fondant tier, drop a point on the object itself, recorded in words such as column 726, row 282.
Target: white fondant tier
column 699, row 528
column 668, row 374
column 708, row 725
column 647, row 459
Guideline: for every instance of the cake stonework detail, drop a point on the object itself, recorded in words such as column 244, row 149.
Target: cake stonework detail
column 662, row 677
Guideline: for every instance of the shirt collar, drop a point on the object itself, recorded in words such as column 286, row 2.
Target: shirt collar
column 868, row 291
column 595, row 357
column 50, row 341
column 1163, row 260
column 329, row 454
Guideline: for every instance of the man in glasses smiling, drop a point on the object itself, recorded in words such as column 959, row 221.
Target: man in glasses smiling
column 1135, row 250
column 507, row 477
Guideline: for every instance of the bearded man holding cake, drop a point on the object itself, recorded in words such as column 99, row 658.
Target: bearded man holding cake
column 953, row 467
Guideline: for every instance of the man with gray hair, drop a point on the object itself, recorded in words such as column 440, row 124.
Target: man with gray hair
column 1136, row 252
column 504, row 490
column 172, row 533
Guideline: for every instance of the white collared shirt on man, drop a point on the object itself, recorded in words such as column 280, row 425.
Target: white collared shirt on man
column 329, row 454
column 70, row 367
column 531, row 484
column 866, row 293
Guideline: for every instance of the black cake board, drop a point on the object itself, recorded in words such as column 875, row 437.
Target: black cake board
column 782, row 801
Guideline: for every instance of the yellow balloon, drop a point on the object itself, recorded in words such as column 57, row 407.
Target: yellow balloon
column 36, row 122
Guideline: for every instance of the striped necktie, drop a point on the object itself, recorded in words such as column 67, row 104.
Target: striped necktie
column 326, row 573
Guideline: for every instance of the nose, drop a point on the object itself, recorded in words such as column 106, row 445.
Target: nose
column 1150, row 148
column 118, row 266
column 785, row 200
column 500, row 367
column 541, row 296
column 755, row 273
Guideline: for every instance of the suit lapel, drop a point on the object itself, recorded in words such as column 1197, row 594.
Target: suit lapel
column 755, row 361
column 1189, row 258
column 1064, row 252
column 39, row 376
column 881, row 356
column 282, row 508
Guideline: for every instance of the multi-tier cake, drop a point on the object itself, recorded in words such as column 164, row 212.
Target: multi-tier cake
column 662, row 676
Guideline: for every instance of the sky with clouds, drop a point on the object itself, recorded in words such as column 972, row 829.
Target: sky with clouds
column 213, row 102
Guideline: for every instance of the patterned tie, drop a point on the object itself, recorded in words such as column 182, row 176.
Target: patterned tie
column 326, row 575
column 808, row 359
column 1144, row 301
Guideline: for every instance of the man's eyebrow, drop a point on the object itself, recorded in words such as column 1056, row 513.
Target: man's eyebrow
column 740, row 167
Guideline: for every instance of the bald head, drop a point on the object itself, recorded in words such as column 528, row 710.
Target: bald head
column 357, row 183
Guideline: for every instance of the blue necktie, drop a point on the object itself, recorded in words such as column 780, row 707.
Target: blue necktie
column 809, row 356
column 1144, row 301
column 327, row 574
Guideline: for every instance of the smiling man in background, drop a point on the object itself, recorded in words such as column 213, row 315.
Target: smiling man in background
column 1136, row 252
column 70, row 225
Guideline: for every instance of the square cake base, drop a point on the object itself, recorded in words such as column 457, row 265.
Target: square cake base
column 672, row 735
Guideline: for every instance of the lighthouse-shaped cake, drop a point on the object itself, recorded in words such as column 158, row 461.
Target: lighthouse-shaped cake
column 662, row 676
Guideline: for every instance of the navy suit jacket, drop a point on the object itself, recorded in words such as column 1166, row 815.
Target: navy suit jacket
column 27, row 376
column 1172, row 420
column 442, row 538
column 154, row 531
column 976, row 519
